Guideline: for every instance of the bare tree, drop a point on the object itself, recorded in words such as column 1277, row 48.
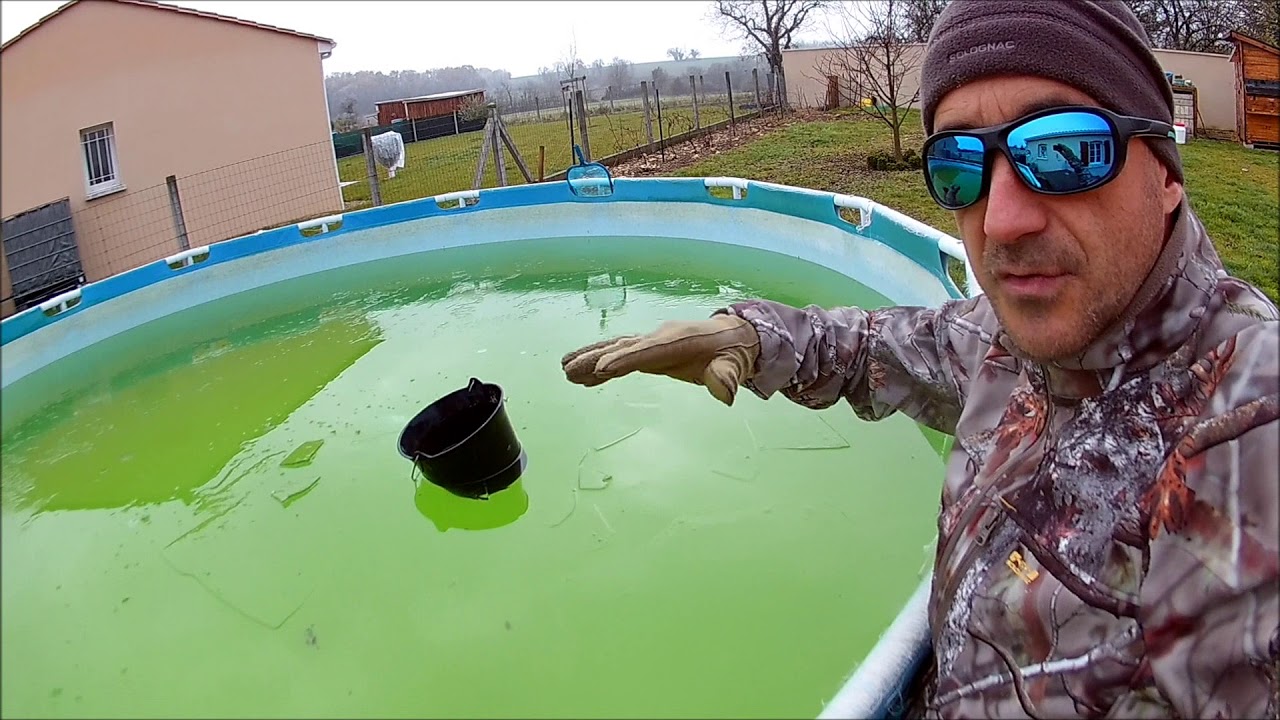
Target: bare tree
column 770, row 24
column 1262, row 20
column 921, row 15
column 1196, row 25
column 871, row 59
column 676, row 53
column 619, row 76
column 694, row 53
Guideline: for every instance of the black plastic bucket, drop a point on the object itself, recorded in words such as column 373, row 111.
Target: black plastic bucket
column 464, row 442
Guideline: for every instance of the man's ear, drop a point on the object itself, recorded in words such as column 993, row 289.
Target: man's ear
column 1170, row 190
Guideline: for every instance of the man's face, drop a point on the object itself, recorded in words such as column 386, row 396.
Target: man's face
column 1057, row 270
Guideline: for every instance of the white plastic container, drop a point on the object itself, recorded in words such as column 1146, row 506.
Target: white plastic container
column 1180, row 133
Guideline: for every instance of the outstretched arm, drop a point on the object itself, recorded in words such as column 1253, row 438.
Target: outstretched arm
column 907, row 359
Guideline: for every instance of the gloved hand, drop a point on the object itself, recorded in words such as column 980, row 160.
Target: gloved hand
column 718, row 353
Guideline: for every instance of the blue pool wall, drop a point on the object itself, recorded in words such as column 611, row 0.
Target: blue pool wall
column 892, row 254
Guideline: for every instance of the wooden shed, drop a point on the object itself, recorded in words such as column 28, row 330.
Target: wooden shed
column 427, row 106
column 1257, row 91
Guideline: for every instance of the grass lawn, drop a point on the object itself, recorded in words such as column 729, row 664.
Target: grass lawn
column 447, row 164
column 1233, row 190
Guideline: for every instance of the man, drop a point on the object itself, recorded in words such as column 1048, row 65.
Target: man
column 1108, row 533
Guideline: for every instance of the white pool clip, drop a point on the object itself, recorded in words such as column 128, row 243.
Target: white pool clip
column 462, row 196
column 187, row 258
column 61, row 303
column 738, row 184
column 322, row 222
column 854, row 202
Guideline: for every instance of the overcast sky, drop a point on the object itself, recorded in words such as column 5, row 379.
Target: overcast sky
column 514, row 36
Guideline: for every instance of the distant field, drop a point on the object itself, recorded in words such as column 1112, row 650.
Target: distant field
column 449, row 163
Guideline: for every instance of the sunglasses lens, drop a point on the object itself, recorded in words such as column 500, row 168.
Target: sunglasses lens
column 955, row 170
column 1064, row 152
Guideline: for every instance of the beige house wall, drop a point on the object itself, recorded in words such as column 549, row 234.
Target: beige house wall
column 236, row 113
column 1213, row 75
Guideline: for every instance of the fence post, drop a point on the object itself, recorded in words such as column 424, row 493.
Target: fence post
column 456, row 130
column 370, row 167
column 581, row 102
column 755, row 78
column 537, row 107
column 728, row 86
column 769, row 81
column 499, row 159
column 648, row 112
column 697, row 121
column 662, row 139
column 542, row 162
column 175, row 205
column 610, row 98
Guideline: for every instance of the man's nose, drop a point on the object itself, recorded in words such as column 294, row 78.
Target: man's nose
column 1013, row 211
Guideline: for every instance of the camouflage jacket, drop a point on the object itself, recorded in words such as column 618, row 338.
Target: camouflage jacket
column 1107, row 541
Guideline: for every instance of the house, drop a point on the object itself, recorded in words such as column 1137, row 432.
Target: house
column 1057, row 159
column 1257, row 91
column 809, row 84
column 426, row 107
column 198, row 128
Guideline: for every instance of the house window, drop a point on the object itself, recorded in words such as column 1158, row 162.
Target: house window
column 1099, row 152
column 101, row 167
column 1044, row 150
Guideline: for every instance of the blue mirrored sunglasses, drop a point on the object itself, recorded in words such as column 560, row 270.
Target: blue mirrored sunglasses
column 1058, row 151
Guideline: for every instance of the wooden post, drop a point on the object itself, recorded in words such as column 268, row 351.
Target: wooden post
column 662, row 140
column 693, row 88
column 542, row 162
column 728, row 86
column 175, row 206
column 499, row 160
column 769, row 82
column 484, row 154
column 610, row 98
column 755, row 78
column 456, row 131
column 371, row 167
column 511, row 147
column 537, row 107
column 648, row 112
column 580, row 101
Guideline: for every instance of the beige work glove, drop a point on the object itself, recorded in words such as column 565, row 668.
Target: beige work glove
column 718, row 353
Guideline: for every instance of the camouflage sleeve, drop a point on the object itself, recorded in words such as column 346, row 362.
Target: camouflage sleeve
column 907, row 359
column 1210, row 598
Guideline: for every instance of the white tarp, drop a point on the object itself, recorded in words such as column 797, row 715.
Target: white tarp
column 388, row 151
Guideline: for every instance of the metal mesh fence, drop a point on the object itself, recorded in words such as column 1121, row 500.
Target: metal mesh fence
column 120, row 232
column 134, row 227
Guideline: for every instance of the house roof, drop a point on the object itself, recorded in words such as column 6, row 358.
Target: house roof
column 173, row 8
column 1250, row 40
column 437, row 96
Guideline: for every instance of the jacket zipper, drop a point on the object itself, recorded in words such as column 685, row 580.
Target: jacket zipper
column 989, row 523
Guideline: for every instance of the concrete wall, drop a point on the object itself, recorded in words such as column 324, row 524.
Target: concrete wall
column 238, row 114
column 1212, row 74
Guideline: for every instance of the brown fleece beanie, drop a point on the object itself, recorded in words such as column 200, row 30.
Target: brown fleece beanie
column 1097, row 46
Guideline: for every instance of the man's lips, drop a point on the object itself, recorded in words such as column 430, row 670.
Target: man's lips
column 1033, row 283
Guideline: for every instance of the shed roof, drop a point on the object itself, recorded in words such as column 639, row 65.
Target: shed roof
column 172, row 8
column 1240, row 37
column 437, row 96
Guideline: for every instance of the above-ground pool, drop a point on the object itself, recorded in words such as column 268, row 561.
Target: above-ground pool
column 205, row 513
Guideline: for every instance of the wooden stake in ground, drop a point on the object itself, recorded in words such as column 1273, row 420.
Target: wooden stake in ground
column 648, row 113
column 370, row 167
column 495, row 137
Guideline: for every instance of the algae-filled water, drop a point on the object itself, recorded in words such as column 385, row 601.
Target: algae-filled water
column 663, row 555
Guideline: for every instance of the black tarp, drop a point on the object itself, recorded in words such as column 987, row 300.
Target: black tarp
column 40, row 249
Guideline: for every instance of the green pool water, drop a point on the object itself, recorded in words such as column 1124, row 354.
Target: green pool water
column 663, row 555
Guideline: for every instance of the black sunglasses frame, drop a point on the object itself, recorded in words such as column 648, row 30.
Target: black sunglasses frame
column 995, row 140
